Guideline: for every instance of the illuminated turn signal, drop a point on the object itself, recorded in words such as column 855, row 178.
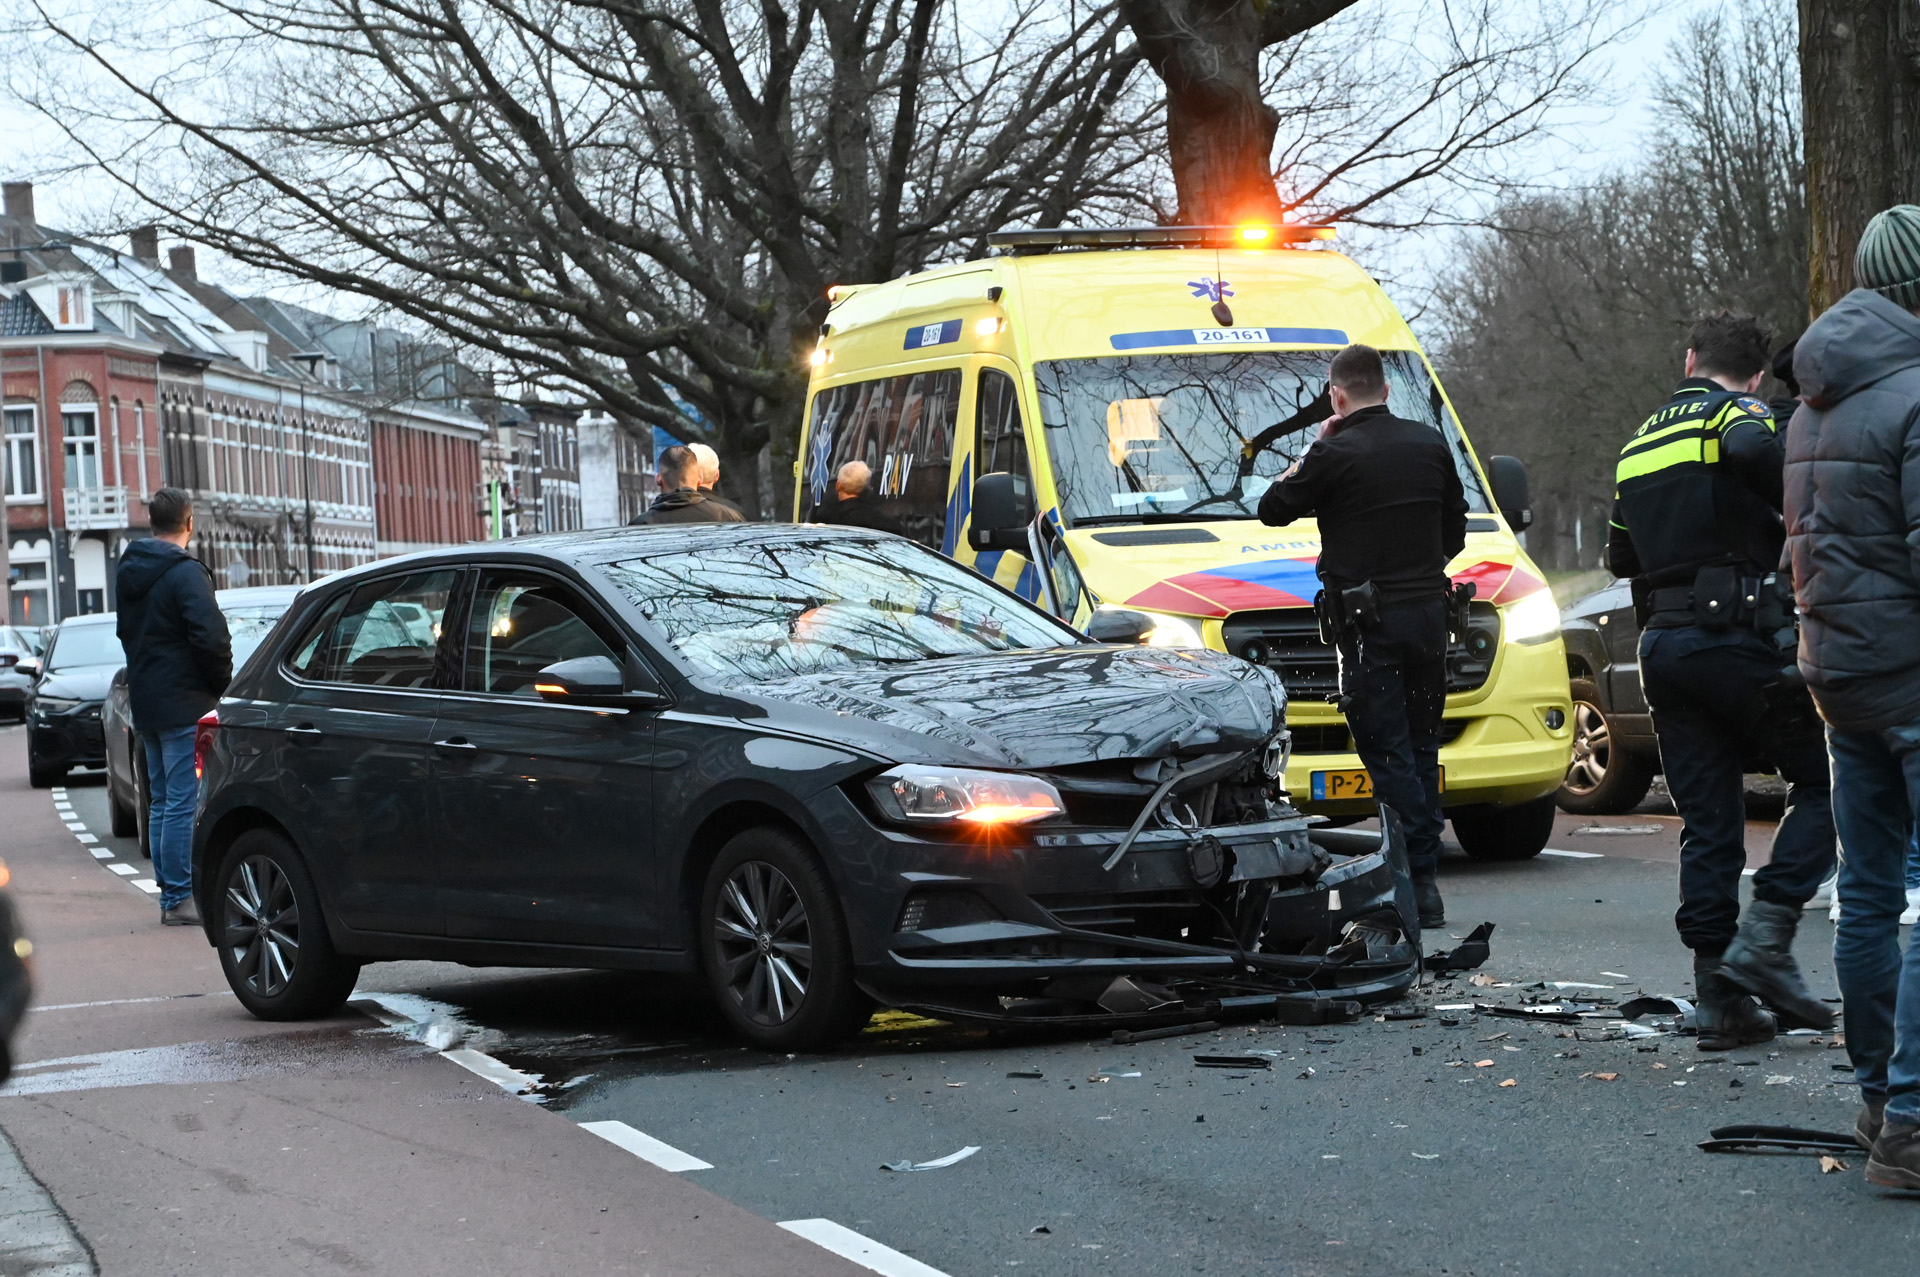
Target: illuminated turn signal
column 819, row 357
column 549, row 689
column 988, row 326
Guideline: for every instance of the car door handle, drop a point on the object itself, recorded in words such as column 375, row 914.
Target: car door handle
column 456, row 744
column 305, row 731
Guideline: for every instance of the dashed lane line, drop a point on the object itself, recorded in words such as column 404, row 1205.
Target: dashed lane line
column 864, row 1251
column 63, row 807
column 645, row 1147
column 1572, row 855
column 442, row 1027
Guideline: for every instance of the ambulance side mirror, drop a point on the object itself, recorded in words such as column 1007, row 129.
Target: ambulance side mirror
column 1509, row 478
column 1002, row 509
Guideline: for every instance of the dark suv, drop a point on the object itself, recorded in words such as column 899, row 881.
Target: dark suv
column 1615, row 754
column 820, row 766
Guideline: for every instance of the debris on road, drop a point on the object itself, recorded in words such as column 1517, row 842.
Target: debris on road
column 1778, row 1139
column 1602, row 1077
column 1617, row 831
column 1026, row 1073
column 1232, row 1062
column 1634, row 1008
column 1554, row 1012
column 1127, row 1037
column 1428, row 1157
column 938, row 1163
column 1510, row 1082
column 1470, row 953
column 1830, row 1164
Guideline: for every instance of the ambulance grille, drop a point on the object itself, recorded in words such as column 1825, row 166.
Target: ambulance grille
column 1287, row 641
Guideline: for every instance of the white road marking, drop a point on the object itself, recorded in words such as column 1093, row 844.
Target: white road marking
column 58, row 792
column 1572, row 855
column 125, row 871
column 101, row 853
column 864, row 1251
column 480, row 1064
column 645, row 1147
column 86, row 837
column 147, row 885
column 125, row 1002
column 1748, row 873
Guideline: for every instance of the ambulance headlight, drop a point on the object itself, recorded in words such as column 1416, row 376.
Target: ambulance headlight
column 1172, row 631
column 1532, row 619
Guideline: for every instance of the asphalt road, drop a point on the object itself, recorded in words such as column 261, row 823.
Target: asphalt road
column 1380, row 1147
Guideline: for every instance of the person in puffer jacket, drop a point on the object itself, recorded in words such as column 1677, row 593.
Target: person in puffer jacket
column 1852, row 510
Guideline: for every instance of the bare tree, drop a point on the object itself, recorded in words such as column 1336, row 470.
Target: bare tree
column 1860, row 80
column 1565, row 326
column 646, row 201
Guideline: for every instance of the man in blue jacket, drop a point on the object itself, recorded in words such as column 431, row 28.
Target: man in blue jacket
column 179, row 661
column 1853, row 530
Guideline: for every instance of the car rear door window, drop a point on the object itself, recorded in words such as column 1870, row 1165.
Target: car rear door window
column 386, row 633
column 521, row 625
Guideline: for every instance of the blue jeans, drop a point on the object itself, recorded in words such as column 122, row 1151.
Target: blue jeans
column 174, row 790
column 1876, row 800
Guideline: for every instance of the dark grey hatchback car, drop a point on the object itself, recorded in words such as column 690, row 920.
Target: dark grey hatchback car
column 823, row 767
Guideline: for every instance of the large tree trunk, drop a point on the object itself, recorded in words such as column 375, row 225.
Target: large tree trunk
column 1860, row 89
column 1219, row 128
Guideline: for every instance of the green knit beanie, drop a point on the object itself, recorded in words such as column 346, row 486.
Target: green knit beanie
column 1888, row 260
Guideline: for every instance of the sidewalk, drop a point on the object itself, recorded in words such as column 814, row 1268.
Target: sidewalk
column 190, row 1137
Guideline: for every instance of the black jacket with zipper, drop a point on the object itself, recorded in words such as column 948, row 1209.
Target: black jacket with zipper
column 179, row 656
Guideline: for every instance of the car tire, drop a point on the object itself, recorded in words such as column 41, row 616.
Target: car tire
column 1519, row 832
column 755, row 969
column 272, row 938
column 1604, row 778
column 44, row 777
column 121, row 817
column 142, row 808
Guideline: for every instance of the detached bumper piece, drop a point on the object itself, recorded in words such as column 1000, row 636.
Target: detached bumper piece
column 1310, row 947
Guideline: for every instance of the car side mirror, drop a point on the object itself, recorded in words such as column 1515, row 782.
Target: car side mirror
column 595, row 680
column 30, row 668
column 1509, row 478
column 1118, row 625
column 1002, row 509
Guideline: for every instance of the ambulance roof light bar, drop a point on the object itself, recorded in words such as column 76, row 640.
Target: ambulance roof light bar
column 1022, row 242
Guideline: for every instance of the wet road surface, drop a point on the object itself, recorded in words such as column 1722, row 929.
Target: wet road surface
column 1379, row 1147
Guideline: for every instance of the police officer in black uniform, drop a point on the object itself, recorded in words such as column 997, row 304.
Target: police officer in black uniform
column 1696, row 524
column 1392, row 514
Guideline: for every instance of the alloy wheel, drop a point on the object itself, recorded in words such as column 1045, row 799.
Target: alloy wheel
column 262, row 925
column 765, row 942
column 1592, row 749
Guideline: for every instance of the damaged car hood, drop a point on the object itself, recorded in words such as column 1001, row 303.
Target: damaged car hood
column 1045, row 708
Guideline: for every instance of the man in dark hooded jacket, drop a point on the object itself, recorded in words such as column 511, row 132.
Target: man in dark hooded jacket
column 1853, row 530
column 179, row 661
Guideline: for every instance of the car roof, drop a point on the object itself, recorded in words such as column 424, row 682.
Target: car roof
column 606, row 545
column 92, row 618
column 257, row 596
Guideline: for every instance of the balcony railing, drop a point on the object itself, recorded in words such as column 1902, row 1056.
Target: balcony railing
column 96, row 508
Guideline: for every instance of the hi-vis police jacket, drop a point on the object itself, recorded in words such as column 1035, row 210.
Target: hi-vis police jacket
column 1698, row 484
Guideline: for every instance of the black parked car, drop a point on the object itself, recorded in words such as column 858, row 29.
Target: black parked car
column 1615, row 754
column 251, row 613
column 821, row 766
column 63, row 717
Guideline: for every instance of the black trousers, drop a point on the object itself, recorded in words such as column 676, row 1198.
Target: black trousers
column 1713, row 712
column 1394, row 678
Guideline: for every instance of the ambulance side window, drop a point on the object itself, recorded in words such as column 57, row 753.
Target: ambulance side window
column 903, row 428
column 999, row 443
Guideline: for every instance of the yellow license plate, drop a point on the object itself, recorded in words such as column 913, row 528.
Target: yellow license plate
column 1356, row 783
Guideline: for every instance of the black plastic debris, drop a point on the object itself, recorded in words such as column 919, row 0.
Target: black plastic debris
column 1128, row 995
column 1777, row 1139
column 1041, row 1229
column 1467, row 955
column 1026, row 1073
column 1404, row 1011
column 1634, row 1008
column 1232, row 1062
column 1553, row 1013
column 1312, row 1011
column 1126, row 1037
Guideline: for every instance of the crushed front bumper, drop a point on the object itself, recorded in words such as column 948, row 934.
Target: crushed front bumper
column 1040, row 933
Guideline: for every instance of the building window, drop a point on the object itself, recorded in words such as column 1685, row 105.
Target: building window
column 23, row 454
column 81, row 430
column 29, row 593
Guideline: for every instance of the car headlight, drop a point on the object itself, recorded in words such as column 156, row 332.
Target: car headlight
column 1172, row 631
column 55, row 704
column 912, row 794
column 1531, row 619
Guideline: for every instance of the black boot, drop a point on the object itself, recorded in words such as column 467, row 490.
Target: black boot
column 1426, row 898
column 1760, row 960
column 1724, row 1016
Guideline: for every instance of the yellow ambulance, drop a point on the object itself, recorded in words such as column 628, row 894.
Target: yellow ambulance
column 1090, row 417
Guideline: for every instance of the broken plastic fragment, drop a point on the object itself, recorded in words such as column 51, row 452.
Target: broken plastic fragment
column 938, row 1163
column 1428, row 1157
column 1509, row 1082
column 1828, row 1164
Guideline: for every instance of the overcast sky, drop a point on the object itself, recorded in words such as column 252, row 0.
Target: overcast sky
column 1609, row 138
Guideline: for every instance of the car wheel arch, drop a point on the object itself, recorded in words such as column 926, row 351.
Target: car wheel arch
column 224, row 830
column 719, row 827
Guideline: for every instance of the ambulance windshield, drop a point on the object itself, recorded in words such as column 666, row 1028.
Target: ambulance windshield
column 1160, row 438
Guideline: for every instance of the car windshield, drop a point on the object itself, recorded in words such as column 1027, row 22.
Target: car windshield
column 85, row 645
column 249, row 627
column 800, row 605
column 1157, row 438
